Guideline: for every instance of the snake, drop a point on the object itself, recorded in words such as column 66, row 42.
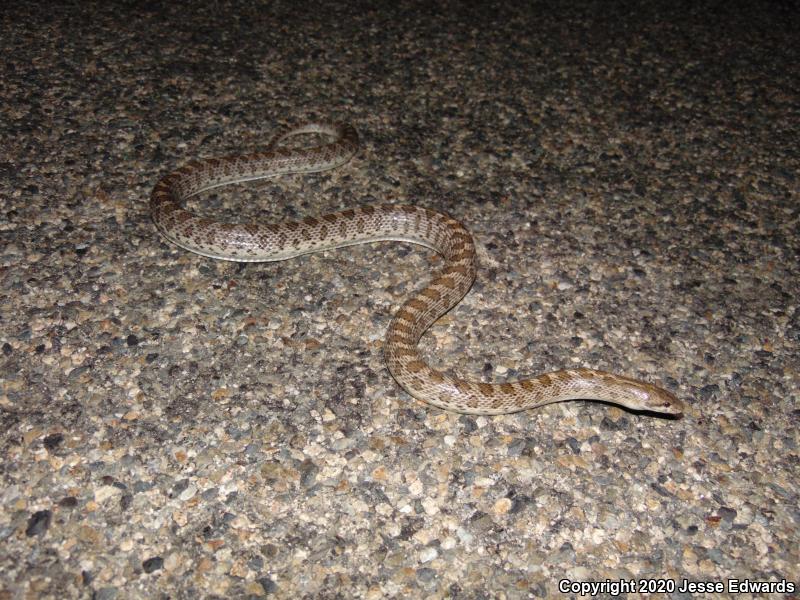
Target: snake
column 262, row 242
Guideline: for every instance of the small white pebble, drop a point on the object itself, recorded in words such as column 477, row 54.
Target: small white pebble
column 430, row 506
column 188, row 493
column 428, row 554
column 465, row 536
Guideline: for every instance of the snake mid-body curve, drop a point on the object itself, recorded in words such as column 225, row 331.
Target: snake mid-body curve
column 255, row 242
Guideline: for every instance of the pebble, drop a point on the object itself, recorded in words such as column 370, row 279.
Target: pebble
column 428, row 554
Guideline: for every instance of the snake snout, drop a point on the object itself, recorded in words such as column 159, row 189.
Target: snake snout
column 651, row 398
column 666, row 403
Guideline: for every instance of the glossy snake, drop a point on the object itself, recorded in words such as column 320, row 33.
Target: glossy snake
column 252, row 242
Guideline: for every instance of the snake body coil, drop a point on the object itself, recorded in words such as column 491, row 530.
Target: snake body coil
column 251, row 242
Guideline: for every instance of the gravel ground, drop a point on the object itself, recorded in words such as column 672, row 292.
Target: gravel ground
column 179, row 427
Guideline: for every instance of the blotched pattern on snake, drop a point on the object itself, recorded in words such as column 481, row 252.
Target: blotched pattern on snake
column 251, row 242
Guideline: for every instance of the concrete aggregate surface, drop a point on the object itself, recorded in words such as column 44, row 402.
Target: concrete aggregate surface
column 178, row 427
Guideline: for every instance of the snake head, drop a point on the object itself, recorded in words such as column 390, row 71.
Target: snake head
column 626, row 392
column 645, row 396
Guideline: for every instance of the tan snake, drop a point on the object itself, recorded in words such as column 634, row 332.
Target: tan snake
column 252, row 242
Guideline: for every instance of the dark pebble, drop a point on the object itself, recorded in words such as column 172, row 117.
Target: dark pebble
column 308, row 472
column 270, row 587
column 608, row 425
column 125, row 502
column 153, row 564
column 468, row 423
column 574, row 445
column 52, row 441
column 68, row 502
column 709, row 391
column 38, row 523
column 179, row 487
